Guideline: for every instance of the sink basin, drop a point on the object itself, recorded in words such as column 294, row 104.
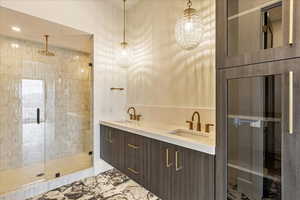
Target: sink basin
column 189, row 133
column 126, row 122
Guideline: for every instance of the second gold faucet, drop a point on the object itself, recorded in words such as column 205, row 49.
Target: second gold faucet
column 192, row 122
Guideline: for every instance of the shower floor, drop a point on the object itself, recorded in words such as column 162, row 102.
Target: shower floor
column 13, row 179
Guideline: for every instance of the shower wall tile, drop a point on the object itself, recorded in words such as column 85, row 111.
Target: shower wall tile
column 67, row 96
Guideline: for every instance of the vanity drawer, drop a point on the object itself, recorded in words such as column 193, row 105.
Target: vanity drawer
column 136, row 157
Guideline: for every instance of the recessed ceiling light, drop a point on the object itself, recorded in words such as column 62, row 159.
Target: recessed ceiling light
column 15, row 28
column 15, row 45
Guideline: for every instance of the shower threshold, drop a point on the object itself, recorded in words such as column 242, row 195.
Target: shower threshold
column 14, row 179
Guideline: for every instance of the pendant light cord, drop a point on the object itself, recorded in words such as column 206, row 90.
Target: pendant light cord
column 124, row 22
column 189, row 3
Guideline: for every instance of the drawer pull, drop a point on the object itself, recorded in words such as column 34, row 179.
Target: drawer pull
column 168, row 164
column 133, row 146
column 133, row 171
column 178, row 168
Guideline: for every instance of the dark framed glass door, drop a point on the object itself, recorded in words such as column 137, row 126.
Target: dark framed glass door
column 257, row 132
column 254, row 138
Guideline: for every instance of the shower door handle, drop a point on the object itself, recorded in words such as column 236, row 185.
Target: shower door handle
column 38, row 116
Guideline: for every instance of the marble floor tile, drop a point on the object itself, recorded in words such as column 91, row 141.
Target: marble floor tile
column 110, row 185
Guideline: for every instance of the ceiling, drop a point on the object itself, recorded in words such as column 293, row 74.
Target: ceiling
column 33, row 29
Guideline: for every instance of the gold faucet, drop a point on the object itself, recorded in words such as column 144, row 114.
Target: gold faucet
column 198, row 123
column 199, row 120
column 207, row 127
column 133, row 116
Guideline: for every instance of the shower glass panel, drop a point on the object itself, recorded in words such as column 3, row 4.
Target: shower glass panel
column 254, row 25
column 45, row 118
column 22, row 134
column 33, row 123
column 254, row 138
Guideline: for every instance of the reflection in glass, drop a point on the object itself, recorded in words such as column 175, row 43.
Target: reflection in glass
column 254, row 138
column 33, row 98
column 254, row 25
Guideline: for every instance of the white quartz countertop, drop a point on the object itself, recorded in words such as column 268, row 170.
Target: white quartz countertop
column 162, row 132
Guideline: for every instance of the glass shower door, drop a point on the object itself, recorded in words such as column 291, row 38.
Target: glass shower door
column 33, row 126
column 22, row 135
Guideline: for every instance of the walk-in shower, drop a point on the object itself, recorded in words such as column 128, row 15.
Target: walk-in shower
column 45, row 102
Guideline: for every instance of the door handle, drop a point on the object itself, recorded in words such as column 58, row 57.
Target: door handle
column 38, row 116
column 291, row 23
column 177, row 167
column 291, row 102
column 168, row 164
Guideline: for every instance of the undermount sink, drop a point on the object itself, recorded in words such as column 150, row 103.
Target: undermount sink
column 126, row 122
column 189, row 133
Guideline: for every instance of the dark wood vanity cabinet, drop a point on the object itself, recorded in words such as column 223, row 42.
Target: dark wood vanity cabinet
column 161, row 163
column 193, row 174
column 135, row 154
column 112, row 147
column 251, row 32
column 258, row 134
column 182, row 173
column 105, row 144
column 169, row 171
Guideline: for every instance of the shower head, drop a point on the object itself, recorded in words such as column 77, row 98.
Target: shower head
column 46, row 52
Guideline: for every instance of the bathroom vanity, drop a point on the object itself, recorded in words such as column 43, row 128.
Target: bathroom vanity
column 160, row 161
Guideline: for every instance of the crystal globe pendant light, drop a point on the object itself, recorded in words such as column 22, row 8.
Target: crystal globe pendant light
column 124, row 53
column 189, row 29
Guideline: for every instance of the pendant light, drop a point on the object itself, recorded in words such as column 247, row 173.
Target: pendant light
column 124, row 53
column 189, row 29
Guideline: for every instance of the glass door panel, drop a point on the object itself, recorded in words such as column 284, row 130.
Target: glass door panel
column 254, row 138
column 254, row 25
column 33, row 118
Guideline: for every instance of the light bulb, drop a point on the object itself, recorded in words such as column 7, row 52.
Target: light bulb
column 124, row 56
column 188, row 26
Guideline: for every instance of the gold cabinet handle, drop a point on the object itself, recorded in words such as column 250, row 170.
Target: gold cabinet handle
column 133, row 171
column 107, row 138
column 110, row 138
column 291, row 102
column 133, row 146
column 178, row 168
column 291, row 24
column 168, row 164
